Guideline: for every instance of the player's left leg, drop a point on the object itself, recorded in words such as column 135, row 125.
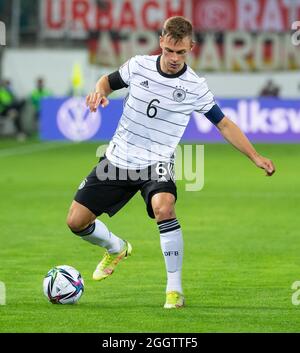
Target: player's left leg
column 163, row 206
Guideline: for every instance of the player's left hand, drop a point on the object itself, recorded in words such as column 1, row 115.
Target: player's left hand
column 265, row 164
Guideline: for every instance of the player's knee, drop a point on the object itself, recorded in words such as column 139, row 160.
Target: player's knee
column 76, row 224
column 162, row 213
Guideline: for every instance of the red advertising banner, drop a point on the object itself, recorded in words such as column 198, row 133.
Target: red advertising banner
column 245, row 15
column 239, row 35
column 77, row 18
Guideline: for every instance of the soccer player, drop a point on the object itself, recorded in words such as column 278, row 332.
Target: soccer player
column 163, row 92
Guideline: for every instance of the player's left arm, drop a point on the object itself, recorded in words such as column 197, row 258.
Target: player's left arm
column 233, row 134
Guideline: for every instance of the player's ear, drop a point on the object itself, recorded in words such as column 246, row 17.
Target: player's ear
column 192, row 45
column 161, row 40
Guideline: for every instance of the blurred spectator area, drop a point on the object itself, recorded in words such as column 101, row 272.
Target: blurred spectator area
column 240, row 44
column 22, row 21
column 270, row 89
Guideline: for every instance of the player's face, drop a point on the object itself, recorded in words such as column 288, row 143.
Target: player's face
column 174, row 54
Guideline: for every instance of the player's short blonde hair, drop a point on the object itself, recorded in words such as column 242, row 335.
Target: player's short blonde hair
column 177, row 27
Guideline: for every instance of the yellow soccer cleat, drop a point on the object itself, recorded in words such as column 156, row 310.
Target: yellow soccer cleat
column 174, row 300
column 109, row 262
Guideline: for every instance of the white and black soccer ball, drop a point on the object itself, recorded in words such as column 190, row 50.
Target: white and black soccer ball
column 63, row 285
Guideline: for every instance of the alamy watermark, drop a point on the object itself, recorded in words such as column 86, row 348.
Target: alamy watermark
column 296, row 294
column 2, row 293
column 2, row 33
column 295, row 38
column 187, row 165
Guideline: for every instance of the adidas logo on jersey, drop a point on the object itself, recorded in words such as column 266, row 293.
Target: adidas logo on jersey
column 144, row 84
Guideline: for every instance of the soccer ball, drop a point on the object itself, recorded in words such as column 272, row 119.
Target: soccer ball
column 63, row 285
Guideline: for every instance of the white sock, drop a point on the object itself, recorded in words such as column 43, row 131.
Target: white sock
column 171, row 242
column 98, row 234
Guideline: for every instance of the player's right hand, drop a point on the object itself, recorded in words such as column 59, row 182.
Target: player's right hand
column 94, row 99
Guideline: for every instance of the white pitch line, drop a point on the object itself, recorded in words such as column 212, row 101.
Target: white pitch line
column 36, row 147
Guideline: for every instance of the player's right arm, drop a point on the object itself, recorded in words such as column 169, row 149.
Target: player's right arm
column 108, row 83
column 99, row 96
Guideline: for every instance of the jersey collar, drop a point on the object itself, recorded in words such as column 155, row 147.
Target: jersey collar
column 179, row 73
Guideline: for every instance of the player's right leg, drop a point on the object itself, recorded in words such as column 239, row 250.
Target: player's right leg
column 84, row 223
column 97, row 195
column 79, row 217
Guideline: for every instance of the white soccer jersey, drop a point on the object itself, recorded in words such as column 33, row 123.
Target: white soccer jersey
column 156, row 112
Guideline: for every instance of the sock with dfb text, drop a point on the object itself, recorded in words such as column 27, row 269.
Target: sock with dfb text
column 171, row 242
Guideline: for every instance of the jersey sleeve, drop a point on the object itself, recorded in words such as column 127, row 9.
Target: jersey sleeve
column 215, row 114
column 205, row 100
column 127, row 69
column 206, row 105
column 115, row 81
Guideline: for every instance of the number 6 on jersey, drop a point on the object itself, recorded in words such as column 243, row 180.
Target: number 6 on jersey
column 152, row 109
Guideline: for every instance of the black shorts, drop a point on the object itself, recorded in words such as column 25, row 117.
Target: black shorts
column 108, row 188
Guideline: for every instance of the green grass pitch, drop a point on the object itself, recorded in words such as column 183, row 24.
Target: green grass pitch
column 241, row 252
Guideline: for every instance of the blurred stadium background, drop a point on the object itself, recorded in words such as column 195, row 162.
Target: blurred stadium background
column 241, row 230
